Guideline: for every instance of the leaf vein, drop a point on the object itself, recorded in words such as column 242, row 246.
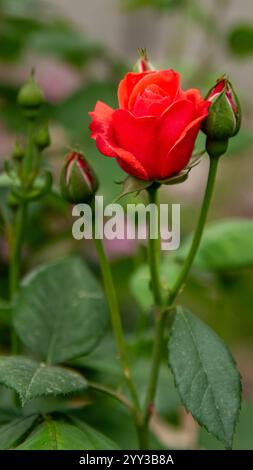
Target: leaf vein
column 206, row 374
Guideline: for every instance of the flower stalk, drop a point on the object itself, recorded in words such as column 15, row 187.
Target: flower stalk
column 162, row 310
column 154, row 264
column 18, row 231
column 154, row 249
column 213, row 165
column 30, row 99
column 118, row 330
column 115, row 318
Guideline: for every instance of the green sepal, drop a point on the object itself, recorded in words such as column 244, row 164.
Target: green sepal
column 133, row 185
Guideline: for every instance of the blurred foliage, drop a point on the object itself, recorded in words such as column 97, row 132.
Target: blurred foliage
column 163, row 5
column 219, row 250
column 240, row 40
column 65, row 42
column 47, row 36
column 187, row 8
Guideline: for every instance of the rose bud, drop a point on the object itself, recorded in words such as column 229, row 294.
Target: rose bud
column 31, row 97
column 143, row 64
column 78, row 180
column 153, row 131
column 42, row 138
column 224, row 117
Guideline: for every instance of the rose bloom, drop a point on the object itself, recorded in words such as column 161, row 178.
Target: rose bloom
column 153, row 132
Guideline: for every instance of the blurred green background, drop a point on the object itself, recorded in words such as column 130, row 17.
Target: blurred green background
column 80, row 50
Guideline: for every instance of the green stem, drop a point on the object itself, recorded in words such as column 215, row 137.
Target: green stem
column 16, row 248
column 141, row 326
column 161, row 311
column 112, row 393
column 27, row 167
column 15, row 263
column 154, row 251
column 154, row 264
column 155, row 364
column 116, row 320
column 18, row 229
column 198, row 232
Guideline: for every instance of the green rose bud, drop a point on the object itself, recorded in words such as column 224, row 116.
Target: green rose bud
column 78, row 180
column 18, row 152
column 224, row 117
column 30, row 98
column 42, row 138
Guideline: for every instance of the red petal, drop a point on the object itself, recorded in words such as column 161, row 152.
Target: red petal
column 194, row 95
column 102, row 132
column 201, row 105
column 152, row 102
column 181, row 152
column 101, row 128
column 218, row 88
column 137, row 136
column 167, row 80
column 126, row 86
column 172, row 123
column 130, row 164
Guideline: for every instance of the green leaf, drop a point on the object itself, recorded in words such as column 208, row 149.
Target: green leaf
column 226, row 245
column 243, row 439
column 140, row 283
column 117, row 422
column 205, row 375
column 240, row 40
column 8, row 413
column 30, row 379
column 13, row 431
column 60, row 311
column 103, row 363
column 53, row 435
column 98, row 440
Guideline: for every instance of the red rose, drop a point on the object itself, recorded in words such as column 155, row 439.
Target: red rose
column 153, row 132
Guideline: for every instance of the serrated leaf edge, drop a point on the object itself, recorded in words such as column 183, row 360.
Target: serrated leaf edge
column 228, row 445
